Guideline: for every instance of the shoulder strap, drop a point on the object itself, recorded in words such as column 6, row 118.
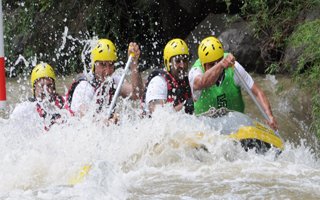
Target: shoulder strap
column 60, row 101
column 171, row 84
column 73, row 86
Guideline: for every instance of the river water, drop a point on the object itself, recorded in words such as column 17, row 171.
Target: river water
column 149, row 158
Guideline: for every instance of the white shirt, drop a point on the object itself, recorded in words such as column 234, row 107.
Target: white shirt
column 84, row 93
column 157, row 89
column 26, row 119
column 26, row 113
column 194, row 72
column 25, row 110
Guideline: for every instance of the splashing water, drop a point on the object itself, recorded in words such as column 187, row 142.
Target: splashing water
column 150, row 158
column 146, row 159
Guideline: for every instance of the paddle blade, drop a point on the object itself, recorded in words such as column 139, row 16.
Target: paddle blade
column 80, row 176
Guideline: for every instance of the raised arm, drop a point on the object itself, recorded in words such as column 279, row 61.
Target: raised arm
column 212, row 72
column 136, row 88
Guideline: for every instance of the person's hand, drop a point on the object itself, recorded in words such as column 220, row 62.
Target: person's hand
column 178, row 107
column 114, row 119
column 189, row 106
column 134, row 48
column 228, row 61
column 273, row 123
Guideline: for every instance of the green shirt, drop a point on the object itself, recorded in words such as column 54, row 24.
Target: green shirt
column 227, row 94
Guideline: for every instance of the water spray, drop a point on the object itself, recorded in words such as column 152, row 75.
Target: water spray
column 2, row 65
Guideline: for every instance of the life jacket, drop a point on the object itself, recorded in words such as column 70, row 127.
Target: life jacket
column 59, row 102
column 178, row 91
column 224, row 93
column 101, row 93
column 70, row 92
column 96, row 85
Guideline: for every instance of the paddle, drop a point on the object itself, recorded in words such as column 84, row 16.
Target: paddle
column 116, row 94
column 264, row 114
column 86, row 168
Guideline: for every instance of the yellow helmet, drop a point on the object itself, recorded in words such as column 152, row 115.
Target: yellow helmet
column 210, row 50
column 42, row 70
column 105, row 50
column 173, row 48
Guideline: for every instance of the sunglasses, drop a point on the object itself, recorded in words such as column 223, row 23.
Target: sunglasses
column 180, row 58
column 104, row 63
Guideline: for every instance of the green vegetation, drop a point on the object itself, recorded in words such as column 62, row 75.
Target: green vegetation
column 34, row 29
column 20, row 21
column 276, row 24
column 272, row 22
column 118, row 20
column 306, row 40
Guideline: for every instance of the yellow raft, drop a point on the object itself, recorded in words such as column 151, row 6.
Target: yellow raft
column 236, row 125
column 250, row 133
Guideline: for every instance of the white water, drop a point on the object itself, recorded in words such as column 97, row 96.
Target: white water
column 151, row 159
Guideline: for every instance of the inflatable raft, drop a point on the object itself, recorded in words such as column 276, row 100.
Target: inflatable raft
column 238, row 126
column 250, row 133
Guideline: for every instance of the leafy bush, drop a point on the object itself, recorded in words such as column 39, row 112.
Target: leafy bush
column 275, row 23
column 272, row 22
column 33, row 29
column 307, row 72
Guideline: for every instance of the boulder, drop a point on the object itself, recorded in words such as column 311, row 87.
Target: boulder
column 291, row 54
column 213, row 24
column 239, row 40
column 236, row 37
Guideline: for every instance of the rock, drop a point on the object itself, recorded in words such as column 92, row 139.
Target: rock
column 239, row 40
column 291, row 54
column 211, row 25
column 236, row 37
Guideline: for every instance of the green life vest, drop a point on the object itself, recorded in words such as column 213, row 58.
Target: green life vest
column 227, row 94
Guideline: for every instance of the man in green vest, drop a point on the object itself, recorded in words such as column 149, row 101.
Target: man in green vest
column 214, row 84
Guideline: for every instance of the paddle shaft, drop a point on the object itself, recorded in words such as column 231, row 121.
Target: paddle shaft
column 254, row 99
column 116, row 94
column 251, row 94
